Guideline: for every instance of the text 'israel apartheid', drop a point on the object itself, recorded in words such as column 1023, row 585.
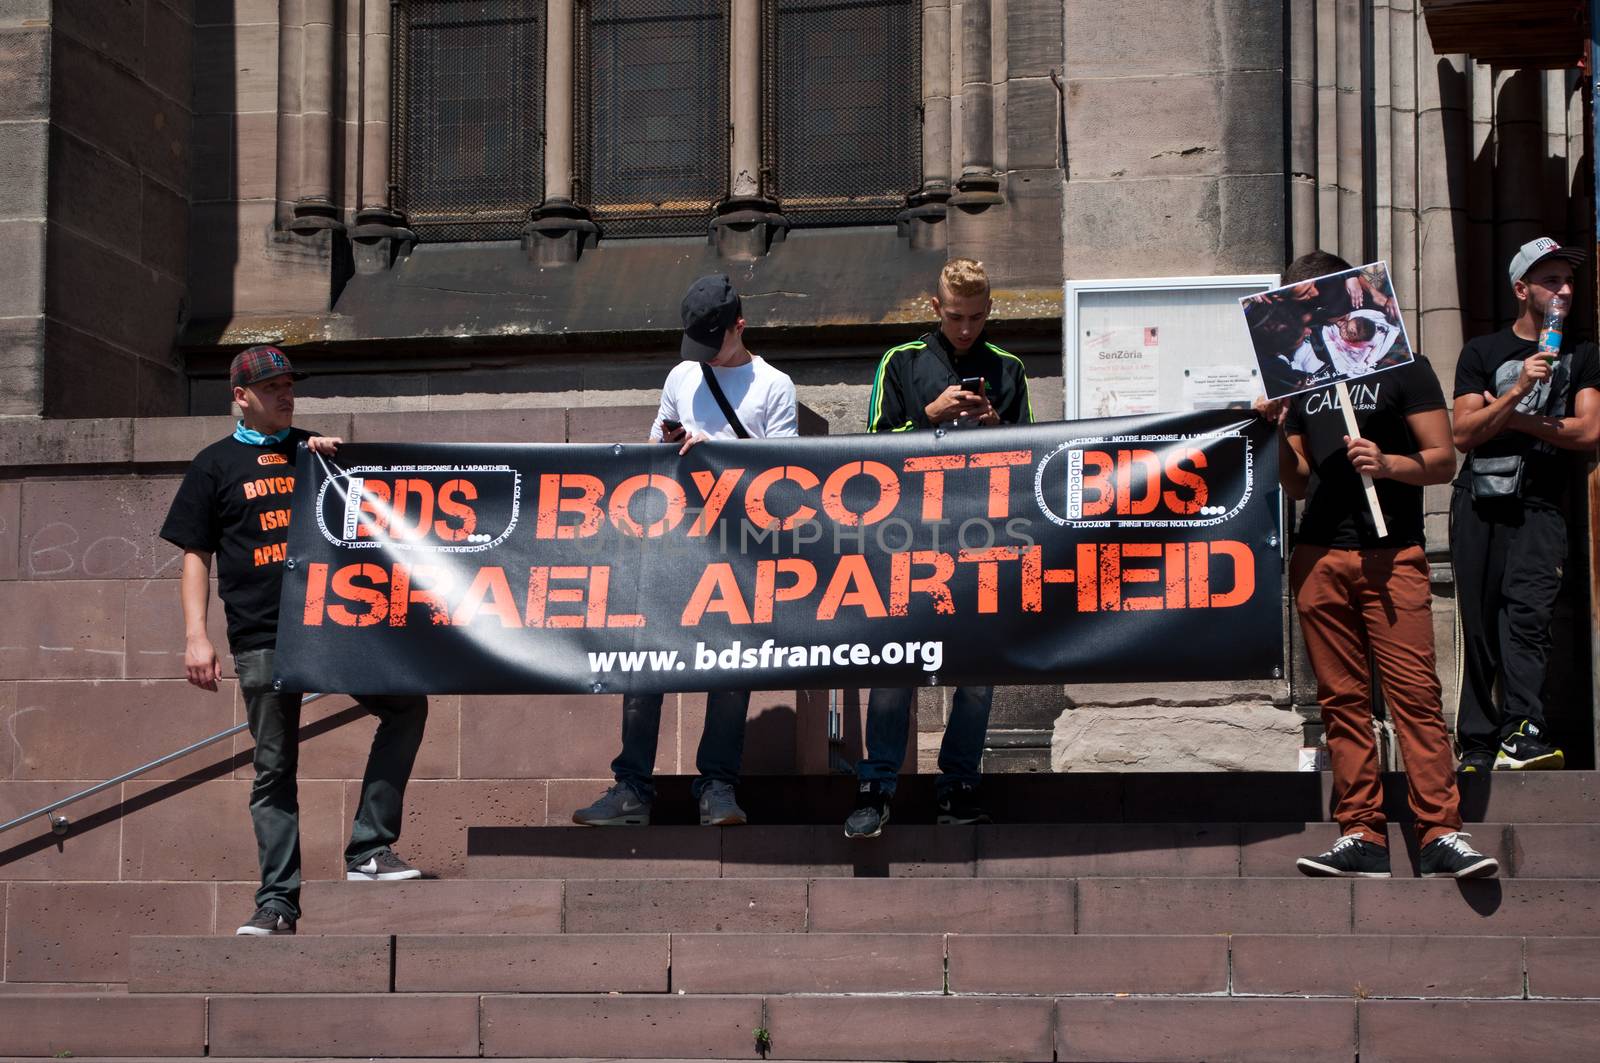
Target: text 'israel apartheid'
column 1084, row 551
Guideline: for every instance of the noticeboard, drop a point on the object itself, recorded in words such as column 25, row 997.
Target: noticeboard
column 1158, row 345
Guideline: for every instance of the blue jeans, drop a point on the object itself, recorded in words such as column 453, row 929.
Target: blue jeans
column 274, row 718
column 721, row 742
column 889, row 725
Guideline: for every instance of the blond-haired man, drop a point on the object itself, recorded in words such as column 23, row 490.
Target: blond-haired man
column 918, row 384
column 931, row 382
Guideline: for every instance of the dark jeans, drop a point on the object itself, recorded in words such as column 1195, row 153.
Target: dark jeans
column 274, row 718
column 721, row 742
column 1508, row 559
column 889, row 725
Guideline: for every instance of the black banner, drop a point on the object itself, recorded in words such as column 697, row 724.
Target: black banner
column 1137, row 548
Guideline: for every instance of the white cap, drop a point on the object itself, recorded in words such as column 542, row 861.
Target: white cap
column 1533, row 252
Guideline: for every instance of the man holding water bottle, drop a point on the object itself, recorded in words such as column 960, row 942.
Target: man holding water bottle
column 1526, row 404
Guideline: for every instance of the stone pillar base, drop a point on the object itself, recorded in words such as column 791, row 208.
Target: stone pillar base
column 745, row 229
column 557, row 233
column 313, row 214
column 922, row 223
column 379, row 239
column 975, row 191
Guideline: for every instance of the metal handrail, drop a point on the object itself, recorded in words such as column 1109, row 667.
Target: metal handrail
column 60, row 824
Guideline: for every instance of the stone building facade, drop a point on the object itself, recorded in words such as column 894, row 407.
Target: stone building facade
column 438, row 205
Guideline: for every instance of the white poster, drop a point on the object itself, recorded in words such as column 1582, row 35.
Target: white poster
column 1121, row 372
column 1220, row 387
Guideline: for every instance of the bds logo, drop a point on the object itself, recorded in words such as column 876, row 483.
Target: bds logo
column 1154, row 481
column 438, row 509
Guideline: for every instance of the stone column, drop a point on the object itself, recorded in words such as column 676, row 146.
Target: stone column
column 291, row 36
column 747, row 222
column 925, row 208
column 558, row 230
column 1519, row 181
column 1349, row 15
column 314, row 207
column 379, row 236
column 377, row 107
column 1402, row 34
column 744, row 100
column 978, row 184
column 558, row 102
column 1302, row 126
column 1445, row 135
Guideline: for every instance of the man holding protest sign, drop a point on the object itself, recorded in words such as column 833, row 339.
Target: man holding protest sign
column 952, row 377
column 718, row 391
column 1360, row 583
column 1526, row 404
column 234, row 503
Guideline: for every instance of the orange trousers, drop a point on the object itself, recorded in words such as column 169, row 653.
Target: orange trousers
column 1350, row 601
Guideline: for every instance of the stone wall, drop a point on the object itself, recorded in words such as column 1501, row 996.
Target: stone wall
column 91, row 685
column 24, row 153
column 98, row 181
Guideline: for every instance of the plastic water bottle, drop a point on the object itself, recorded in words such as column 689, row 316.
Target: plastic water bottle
column 1550, row 336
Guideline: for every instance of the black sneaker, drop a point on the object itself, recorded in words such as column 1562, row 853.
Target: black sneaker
column 1449, row 856
column 1477, row 762
column 958, row 805
column 1350, row 857
column 1526, row 750
column 384, row 866
column 267, row 922
column 870, row 814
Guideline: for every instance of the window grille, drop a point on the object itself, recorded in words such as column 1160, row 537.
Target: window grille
column 469, row 116
column 651, row 96
column 843, row 108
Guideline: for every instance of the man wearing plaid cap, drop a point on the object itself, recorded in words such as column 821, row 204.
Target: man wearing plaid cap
column 234, row 503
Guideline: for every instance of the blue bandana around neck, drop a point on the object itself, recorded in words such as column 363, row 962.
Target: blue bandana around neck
column 256, row 439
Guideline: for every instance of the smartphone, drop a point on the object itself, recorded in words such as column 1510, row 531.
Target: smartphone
column 669, row 426
column 974, row 384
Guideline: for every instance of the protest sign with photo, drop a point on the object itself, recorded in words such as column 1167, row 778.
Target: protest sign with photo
column 1322, row 331
column 1082, row 551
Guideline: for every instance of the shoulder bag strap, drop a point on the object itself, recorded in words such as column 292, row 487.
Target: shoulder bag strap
column 722, row 402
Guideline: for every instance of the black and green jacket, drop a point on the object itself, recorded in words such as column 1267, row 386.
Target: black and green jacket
column 914, row 374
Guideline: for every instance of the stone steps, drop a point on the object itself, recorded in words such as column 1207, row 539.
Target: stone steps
column 1525, row 850
column 820, row 1027
column 1369, row 966
column 1122, row 931
column 1135, row 797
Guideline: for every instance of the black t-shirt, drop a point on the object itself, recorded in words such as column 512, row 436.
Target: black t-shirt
column 234, row 503
column 1492, row 363
column 1336, row 512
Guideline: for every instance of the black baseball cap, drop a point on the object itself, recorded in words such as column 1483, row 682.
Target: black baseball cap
column 710, row 309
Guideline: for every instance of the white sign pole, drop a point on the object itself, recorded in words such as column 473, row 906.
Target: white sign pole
column 1354, row 431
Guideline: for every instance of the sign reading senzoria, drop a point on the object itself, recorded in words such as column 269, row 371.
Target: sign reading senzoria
column 1073, row 551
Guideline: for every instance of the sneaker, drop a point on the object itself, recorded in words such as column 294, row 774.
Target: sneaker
column 1449, row 856
column 267, row 922
column 958, row 805
column 718, row 808
column 1477, row 762
column 870, row 814
column 1526, row 750
column 619, row 806
column 383, row 866
column 1350, row 857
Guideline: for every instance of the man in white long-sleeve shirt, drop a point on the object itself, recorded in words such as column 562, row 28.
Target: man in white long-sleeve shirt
column 761, row 402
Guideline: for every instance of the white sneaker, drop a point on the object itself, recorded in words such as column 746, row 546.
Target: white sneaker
column 384, row 867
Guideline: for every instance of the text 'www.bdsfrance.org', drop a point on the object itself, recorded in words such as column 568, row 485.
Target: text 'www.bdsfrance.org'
column 769, row 654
